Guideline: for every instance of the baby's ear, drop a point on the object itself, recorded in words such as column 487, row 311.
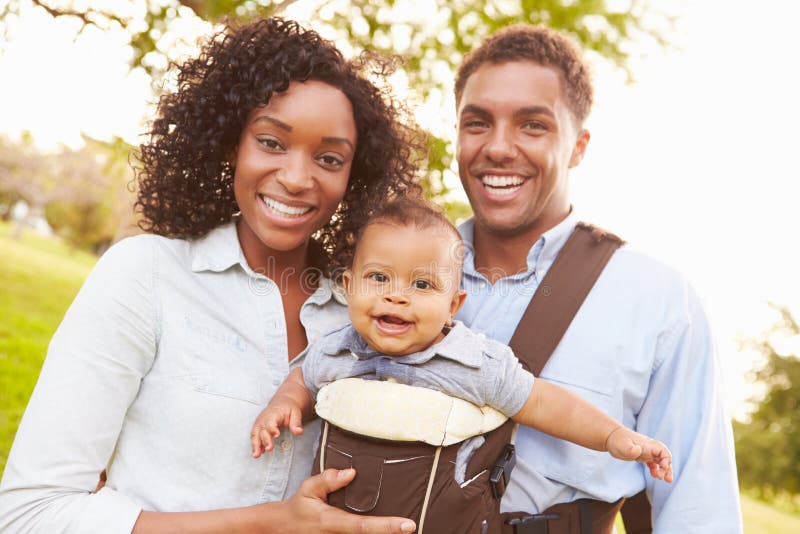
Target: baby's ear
column 458, row 301
column 347, row 277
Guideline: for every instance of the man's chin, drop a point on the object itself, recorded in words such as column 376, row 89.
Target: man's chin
column 502, row 227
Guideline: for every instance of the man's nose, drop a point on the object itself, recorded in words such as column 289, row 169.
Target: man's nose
column 500, row 145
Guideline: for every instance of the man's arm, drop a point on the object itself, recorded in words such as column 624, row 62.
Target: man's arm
column 684, row 407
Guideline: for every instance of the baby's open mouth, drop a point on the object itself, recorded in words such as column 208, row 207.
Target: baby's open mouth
column 392, row 324
column 392, row 319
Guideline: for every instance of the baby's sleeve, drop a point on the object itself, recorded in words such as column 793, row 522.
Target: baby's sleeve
column 508, row 384
column 311, row 367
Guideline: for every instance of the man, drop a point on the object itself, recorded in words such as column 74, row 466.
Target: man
column 638, row 348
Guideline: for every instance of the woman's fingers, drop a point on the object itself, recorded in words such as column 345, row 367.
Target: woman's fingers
column 333, row 520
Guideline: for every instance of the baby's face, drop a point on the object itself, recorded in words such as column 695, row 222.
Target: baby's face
column 403, row 287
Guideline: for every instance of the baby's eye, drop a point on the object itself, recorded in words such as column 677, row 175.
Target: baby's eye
column 379, row 277
column 422, row 284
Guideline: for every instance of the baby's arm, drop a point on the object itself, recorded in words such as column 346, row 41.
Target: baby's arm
column 290, row 405
column 562, row 414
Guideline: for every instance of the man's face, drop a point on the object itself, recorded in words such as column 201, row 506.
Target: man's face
column 517, row 141
column 403, row 287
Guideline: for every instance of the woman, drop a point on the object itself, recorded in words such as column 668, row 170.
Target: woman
column 257, row 172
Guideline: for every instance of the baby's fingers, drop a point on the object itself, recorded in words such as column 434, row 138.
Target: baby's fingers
column 296, row 422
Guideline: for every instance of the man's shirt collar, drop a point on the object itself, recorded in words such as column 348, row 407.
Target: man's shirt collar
column 540, row 256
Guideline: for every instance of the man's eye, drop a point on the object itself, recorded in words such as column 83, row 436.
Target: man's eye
column 472, row 124
column 422, row 284
column 535, row 125
column 379, row 277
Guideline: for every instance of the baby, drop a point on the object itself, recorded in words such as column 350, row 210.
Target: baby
column 403, row 290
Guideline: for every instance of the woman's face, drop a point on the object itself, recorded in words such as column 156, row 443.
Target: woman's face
column 292, row 167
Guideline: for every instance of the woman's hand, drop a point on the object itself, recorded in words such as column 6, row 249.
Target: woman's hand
column 308, row 511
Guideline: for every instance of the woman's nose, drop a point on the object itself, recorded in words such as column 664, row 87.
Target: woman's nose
column 296, row 175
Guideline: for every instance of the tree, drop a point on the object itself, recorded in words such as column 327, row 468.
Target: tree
column 768, row 446
column 432, row 36
column 82, row 194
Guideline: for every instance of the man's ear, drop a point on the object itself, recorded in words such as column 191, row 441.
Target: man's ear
column 580, row 148
column 456, row 303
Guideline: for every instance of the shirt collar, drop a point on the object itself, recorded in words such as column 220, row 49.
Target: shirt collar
column 457, row 345
column 541, row 255
column 219, row 250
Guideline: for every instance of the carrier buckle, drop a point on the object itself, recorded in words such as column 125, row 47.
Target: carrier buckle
column 531, row 524
column 501, row 472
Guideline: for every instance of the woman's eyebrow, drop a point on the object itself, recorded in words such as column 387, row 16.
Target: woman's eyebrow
column 340, row 140
column 280, row 124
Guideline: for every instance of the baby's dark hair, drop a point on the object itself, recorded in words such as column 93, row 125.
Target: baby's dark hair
column 423, row 214
column 185, row 176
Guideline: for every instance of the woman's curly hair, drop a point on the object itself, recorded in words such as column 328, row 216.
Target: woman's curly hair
column 185, row 182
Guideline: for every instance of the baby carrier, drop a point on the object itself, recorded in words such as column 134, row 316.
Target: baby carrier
column 415, row 479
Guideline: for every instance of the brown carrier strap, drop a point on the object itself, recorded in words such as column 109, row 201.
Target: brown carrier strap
column 550, row 312
column 560, row 295
column 637, row 514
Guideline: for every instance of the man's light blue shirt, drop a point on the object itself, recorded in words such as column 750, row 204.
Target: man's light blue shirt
column 641, row 350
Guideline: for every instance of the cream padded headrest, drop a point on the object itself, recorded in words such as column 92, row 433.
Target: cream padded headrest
column 399, row 412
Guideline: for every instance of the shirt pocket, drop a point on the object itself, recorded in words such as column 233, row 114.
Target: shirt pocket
column 561, row 460
column 220, row 362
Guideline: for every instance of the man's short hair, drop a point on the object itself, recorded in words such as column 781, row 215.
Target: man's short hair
column 524, row 42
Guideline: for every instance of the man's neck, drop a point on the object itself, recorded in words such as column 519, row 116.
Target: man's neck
column 499, row 256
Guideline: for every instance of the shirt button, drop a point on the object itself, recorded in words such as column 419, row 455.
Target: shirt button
column 314, row 337
column 286, row 445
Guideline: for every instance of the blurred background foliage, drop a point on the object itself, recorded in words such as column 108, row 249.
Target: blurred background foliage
column 768, row 444
column 86, row 195
column 431, row 41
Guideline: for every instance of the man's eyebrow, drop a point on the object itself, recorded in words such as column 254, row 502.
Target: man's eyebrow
column 280, row 124
column 472, row 108
column 340, row 140
column 534, row 110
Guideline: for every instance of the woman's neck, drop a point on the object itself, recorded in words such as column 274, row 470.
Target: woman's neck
column 281, row 266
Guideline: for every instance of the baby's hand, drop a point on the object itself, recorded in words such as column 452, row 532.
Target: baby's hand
column 625, row 444
column 281, row 411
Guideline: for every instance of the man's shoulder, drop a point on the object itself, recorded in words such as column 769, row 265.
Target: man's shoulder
column 643, row 271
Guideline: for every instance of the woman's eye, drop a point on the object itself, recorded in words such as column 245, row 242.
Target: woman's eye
column 422, row 284
column 269, row 142
column 379, row 277
column 331, row 161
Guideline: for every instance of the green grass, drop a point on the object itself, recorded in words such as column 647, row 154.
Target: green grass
column 39, row 277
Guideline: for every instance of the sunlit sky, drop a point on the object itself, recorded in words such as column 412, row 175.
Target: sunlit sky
column 695, row 162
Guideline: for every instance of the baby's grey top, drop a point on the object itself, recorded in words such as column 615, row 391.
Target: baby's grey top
column 464, row 364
